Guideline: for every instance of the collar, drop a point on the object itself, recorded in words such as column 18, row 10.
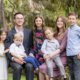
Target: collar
column 18, row 31
column 18, row 46
column 52, row 41
column 73, row 27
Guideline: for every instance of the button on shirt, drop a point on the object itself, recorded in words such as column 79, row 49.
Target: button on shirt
column 73, row 40
column 18, row 50
column 49, row 47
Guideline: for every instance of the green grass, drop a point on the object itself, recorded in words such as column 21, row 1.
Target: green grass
column 22, row 77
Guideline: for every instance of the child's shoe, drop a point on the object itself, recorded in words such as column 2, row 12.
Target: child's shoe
column 37, row 70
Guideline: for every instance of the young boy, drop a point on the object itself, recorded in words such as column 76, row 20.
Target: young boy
column 17, row 50
column 49, row 46
column 73, row 46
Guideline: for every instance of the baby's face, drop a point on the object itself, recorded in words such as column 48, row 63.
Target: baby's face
column 17, row 41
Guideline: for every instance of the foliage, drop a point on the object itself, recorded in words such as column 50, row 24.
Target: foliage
column 51, row 9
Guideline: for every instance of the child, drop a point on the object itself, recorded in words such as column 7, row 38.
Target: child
column 73, row 46
column 38, row 37
column 49, row 46
column 3, row 60
column 17, row 50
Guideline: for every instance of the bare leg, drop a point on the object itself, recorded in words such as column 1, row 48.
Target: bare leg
column 46, row 76
column 41, row 76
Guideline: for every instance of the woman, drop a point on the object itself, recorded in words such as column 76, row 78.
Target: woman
column 61, row 35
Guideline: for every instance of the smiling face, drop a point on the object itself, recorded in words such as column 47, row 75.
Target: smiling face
column 38, row 23
column 49, row 34
column 60, row 23
column 72, row 20
column 19, row 19
column 3, row 36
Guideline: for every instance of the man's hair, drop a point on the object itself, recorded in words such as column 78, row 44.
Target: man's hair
column 73, row 14
column 18, row 36
column 17, row 14
column 48, row 28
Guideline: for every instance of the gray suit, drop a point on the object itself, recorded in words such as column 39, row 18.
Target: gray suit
column 28, row 45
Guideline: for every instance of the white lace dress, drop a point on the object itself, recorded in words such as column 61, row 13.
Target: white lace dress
column 3, row 64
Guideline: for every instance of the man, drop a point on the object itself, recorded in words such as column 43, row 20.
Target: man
column 15, row 63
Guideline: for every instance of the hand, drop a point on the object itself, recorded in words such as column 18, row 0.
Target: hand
column 44, row 56
column 20, row 58
column 31, row 55
column 48, row 57
column 7, row 50
column 25, row 55
column 78, row 56
column 18, row 61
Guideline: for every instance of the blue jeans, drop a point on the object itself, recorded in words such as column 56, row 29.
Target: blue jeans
column 32, row 60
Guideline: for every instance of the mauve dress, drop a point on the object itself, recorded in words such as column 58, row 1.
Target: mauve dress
column 56, row 73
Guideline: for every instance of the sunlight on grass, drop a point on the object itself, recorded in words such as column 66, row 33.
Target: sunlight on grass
column 22, row 77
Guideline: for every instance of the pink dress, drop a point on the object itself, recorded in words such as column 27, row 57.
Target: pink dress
column 63, row 42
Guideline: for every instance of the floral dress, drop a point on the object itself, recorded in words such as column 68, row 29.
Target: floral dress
column 37, row 47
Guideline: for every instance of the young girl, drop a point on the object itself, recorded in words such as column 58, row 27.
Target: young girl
column 38, row 37
column 3, row 60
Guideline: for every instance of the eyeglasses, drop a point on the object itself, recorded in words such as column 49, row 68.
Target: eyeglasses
column 19, row 18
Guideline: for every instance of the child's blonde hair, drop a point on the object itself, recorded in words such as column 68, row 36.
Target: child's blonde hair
column 18, row 36
column 48, row 28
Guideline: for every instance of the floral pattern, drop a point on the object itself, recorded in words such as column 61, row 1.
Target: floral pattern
column 37, row 47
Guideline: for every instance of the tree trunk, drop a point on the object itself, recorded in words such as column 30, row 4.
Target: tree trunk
column 2, row 17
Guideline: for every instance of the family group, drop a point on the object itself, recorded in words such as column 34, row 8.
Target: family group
column 41, row 49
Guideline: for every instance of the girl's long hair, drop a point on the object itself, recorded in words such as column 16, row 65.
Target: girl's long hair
column 35, row 28
column 64, row 25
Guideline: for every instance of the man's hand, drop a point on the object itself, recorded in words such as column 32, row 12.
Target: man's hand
column 20, row 58
column 18, row 61
column 78, row 56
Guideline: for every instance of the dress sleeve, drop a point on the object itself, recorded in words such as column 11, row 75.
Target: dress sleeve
column 63, row 43
column 1, row 50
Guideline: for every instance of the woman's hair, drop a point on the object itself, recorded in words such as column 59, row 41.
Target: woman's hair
column 35, row 27
column 18, row 36
column 1, row 31
column 64, row 25
column 48, row 28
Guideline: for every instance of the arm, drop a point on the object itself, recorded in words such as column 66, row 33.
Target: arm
column 62, row 46
column 43, row 48
column 5, row 51
column 7, row 45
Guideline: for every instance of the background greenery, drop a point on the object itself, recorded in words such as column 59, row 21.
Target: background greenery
column 50, row 9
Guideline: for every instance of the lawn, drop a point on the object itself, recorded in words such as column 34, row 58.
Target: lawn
column 22, row 77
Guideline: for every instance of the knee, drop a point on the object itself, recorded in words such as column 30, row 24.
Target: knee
column 60, row 65
column 29, row 66
column 50, row 67
column 18, row 68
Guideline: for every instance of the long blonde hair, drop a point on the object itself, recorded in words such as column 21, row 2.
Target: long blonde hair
column 35, row 28
column 56, row 27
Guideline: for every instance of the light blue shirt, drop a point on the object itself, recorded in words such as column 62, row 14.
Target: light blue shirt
column 49, row 47
column 73, row 41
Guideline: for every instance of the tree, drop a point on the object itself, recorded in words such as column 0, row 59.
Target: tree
column 2, row 17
